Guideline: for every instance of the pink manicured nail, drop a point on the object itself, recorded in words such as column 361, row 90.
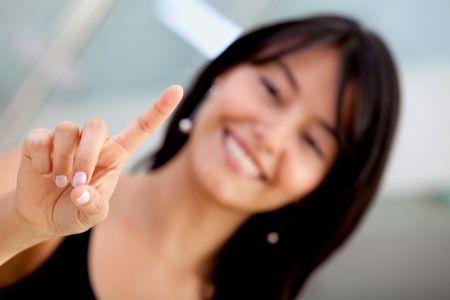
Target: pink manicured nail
column 61, row 181
column 79, row 178
column 83, row 199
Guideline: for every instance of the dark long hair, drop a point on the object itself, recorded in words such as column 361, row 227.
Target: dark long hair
column 247, row 266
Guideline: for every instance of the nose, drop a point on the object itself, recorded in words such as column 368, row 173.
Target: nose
column 272, row 135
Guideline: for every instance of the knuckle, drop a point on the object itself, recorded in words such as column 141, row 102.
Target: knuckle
column 97, row 211
column 42, row 169
column 33, row 132
column 159, row 108
column 83, row 221
column 144, row 125
column 96, row 208
column 66, row 126
column 38, row 142
column 123, row 148
column 87, row 158
column 61, row 161
column 113, row 156
column 97, row 123
column 41, row 166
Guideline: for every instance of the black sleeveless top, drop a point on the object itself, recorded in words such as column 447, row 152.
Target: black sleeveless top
column 63, row 276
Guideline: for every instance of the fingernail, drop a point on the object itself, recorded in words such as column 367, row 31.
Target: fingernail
column 83, row 199
column 48, row 175
column 61, row 181
column 79, row 178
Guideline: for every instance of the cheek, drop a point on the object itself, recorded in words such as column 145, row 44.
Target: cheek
column 300, row 175
column 226, row 107
column 238, row 106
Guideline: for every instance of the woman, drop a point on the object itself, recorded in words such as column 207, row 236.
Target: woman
column 267, row 167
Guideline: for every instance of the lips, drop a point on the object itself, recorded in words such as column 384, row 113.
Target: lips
column 241, row 158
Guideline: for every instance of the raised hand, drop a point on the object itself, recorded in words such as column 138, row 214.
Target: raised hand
column 68, row 175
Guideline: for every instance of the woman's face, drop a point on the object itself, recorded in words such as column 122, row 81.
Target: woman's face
column 267, row 136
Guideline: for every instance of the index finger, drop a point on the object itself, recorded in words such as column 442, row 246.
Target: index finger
column 150, row 120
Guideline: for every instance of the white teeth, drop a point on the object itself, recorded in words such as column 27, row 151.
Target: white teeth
column 241, row 157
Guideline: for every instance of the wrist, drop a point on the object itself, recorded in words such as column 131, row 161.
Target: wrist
column 16, row 234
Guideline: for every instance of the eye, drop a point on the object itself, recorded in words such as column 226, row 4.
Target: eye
column 271, row 89
column 313, row 144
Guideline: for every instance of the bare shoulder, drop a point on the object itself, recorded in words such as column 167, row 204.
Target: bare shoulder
column 9, row 160
column 126, row 190
column 127, row 210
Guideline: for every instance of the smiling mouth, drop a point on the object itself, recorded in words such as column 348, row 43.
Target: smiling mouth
column 239, row 158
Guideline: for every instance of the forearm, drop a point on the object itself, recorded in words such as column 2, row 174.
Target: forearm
column 15, row 235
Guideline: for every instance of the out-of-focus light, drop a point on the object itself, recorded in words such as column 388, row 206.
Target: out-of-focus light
column 199, row 24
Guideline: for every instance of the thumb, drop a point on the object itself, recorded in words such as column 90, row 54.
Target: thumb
column 92, row 206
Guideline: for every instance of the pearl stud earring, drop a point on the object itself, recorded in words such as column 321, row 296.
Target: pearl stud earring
column 185, row 125
column 273, row 237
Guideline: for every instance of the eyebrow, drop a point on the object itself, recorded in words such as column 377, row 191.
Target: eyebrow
column 290, row 77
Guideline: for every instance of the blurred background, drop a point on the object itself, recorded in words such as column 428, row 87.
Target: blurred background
column 74, row 60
